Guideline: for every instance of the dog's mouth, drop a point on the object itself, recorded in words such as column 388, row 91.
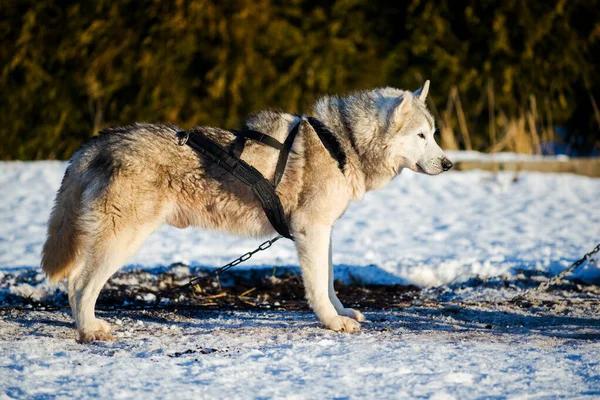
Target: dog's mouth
column 418, row 168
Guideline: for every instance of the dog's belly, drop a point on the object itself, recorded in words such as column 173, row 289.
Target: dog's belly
column 211, row 206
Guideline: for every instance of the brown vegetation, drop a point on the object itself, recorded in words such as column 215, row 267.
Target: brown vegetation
column 507, row 72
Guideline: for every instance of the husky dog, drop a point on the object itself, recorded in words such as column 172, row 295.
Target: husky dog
column 127, row 181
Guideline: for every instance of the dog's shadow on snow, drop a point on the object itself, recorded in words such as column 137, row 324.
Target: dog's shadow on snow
column 45, row 327
column 212, row 320
column 465, row 319
column 450, row 322
column 464, row 322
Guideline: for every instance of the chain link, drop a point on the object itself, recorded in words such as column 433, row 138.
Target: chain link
column 244, row 257
column 556, row 279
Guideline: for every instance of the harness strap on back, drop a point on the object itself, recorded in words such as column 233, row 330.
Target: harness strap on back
column 284, row 153
column 247, row 174
column 241, row 136
column 258, row 137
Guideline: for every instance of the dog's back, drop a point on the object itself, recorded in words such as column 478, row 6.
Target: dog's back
column 137, row 177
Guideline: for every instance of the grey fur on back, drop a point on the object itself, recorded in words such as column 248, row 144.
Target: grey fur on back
column 361, row 121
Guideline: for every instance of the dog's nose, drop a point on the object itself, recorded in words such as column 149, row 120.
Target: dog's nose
column 446, row 164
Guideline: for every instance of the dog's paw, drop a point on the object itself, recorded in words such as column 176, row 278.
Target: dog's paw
column 91, row 336
column 341, row 323
column 349, row 312
column 102, row 326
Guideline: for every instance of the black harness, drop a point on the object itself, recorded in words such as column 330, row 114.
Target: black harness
column 263, row 189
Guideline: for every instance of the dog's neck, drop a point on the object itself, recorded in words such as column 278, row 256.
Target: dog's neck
column 357, row 130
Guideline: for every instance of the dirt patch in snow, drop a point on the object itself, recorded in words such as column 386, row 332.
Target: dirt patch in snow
column 242, row 290
column 481, row 303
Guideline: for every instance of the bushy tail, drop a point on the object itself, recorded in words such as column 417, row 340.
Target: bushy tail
column 63, row 241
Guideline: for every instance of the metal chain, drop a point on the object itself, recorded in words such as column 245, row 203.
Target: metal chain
column 244, row 257
column 556, row 279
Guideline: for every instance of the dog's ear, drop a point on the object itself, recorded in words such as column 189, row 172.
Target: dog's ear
column 397, row 111
column 422, row 92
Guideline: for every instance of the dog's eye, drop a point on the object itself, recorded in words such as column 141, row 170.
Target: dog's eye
column 421, row 136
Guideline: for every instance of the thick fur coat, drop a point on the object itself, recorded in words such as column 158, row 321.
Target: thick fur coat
column 126, row 182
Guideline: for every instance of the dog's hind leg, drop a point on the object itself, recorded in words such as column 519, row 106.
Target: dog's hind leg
column 339, row 307
column 101, row 325
column 116, row 223
column 106, row 255
column 313, row 245
column 71, row 287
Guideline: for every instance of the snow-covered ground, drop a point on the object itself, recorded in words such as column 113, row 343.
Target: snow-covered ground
column 413, row 353
column 421, row 229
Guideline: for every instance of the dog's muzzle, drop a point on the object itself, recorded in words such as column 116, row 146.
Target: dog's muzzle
column 446, row 164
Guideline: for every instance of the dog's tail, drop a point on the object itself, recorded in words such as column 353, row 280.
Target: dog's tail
column 63, row 241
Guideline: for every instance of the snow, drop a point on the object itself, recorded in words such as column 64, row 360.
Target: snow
column 462, row 155
column 420, row 229
column 457, row 342
column 410, row 353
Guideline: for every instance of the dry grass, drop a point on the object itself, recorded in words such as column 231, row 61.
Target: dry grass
column 523, row 133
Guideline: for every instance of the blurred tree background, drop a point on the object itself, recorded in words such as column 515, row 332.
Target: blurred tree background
column 506, row 74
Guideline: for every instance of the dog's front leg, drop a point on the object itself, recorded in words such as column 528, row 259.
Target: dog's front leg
column 313, row 251
column 339, row 307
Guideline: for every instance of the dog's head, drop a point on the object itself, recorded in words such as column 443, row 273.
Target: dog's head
column 409, row 129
